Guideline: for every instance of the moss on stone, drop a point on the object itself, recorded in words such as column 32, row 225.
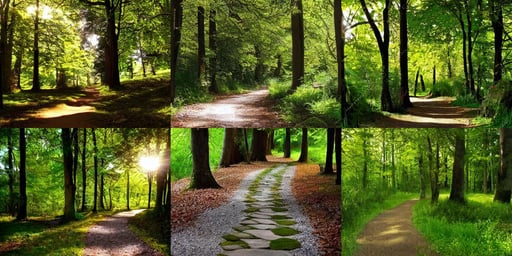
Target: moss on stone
column 279, row 217
column 284, row 231
column 279, row 209
column 231, row 237
column 242, row 228
column 239, row 243
column 285, row 222
column 251, row 209
column 284, row 244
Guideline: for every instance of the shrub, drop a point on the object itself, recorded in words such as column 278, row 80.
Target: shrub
column 299, row 102
column 442, row 88
column 328, row 110
column 467, row 100
column 278, row 89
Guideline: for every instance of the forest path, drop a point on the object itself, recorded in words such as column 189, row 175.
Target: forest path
column 113, row 237
column 393, row 233
column 263, row 213
column 249, row 110
column 77, row 112
column 429, row 112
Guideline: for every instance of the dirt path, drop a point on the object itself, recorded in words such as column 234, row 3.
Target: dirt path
column 74, row 113
column 429, row 112
column 113, row 237
column 392, row 233
column 250, row 110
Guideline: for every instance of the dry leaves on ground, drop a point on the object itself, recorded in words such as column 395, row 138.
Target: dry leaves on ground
column 186, row 205
column 321, row 201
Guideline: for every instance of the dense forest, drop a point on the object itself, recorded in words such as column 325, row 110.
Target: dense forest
column 84, row 53
column 461, row 176
column 236, row 46
column 57, row 176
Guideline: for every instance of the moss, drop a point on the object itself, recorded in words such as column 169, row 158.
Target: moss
column 279, row 209
column 285, row 222
column 279, row 217
column 239, row 243
column 279, row 205
column 251, row 209
column 284, row 244
column 284, row 231
column 231, row 237
column 242, row 228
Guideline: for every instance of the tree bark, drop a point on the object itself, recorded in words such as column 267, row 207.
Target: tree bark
column 457, row 190
column 340, row 57
column 405, row 101
column 231, row 153
column 201, row 174
column 176, row 22
column 496, row 14
column 5, row 48
column 201, row 48
column 286, row 145
column 337, row 142
column 297, row 44
column 330, row 147
column 84, row 171
column 69, row 186
column 95, row 158
column 22, row 210
column 212, row 36
column 36, row 86
column 504, row 185
column 259, row 145
column 303, row 158
column 10, row 163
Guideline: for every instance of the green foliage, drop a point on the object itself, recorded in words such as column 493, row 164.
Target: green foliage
column 284, row 244
column 468, row 101
column 502, row 119
column 152, row 227
column 443, row 88
column 284, row 231
column 327, row 110
column 479, row 228
column 278, row 89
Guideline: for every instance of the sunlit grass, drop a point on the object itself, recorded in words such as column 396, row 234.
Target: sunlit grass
column 150, row 228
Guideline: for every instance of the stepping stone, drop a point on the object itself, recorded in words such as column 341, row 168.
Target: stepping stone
column 264, row 204
column 241, row 228
column 243, row 235
column 248, row 222
column 263, row 226
column 263, row 234
column 234, row 247
column 264, row 221
column 257, row 252
column 257, row 243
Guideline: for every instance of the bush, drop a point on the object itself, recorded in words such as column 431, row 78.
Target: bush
column 328, row 110
column 442, row 88
column 278, row 89
column 467, row 100
column 297, row 106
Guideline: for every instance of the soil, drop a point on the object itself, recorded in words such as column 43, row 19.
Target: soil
column 249, row 110
column 392, row 233
column 113, row 237
column 428, row 113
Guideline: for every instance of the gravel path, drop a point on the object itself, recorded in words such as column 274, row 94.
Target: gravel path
column 392, row 233
column 113, row 237
column 205, row 236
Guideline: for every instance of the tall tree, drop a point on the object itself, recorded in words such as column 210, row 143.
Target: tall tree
column 36, row 86
column 457, row 190
column 176, row 13
column 201, row 174
column 330, row 148
column 383, row 43
column 95, row 157
column 337, row 142
column 303, row 158
column 405, row 101
column 212, row 37
column 231, row 153
column 297, row 44
column 161, row 176
column 84, row 170
column 503, row 191
column 6, row 45
column 339, row 27
column 113, row 12
column 69, row 186
column 286, row 143
column 22, row 210
column 259, row 145
column 201, row 48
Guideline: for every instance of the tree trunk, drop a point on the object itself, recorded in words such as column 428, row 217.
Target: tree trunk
column 95, row 154
column 69, row 186
column 421, row 168
column 176, row 22
column 504, row 185
column 498, row 29
column 258, row 145
column 297, row 44
column 161, row 176
column 84, row 171
column 422, row 84
column 111, row 48
column 457, row 190
column 36, row 86
column 231, row 153
column 201, row 174
column 10, row 162
column 339, row 28
column 416, row 82
column 485, row 162
column 405, row 101
column 365, row 161
column 270, row 142
column 286, row 145
column 22, row 210
column 212, row 36
column 102, row 192
column 279, row 66
column 328, row 155
column 303, row 158
column 337, row 142
column 259, row 68
column 5, row 49
column 201, row 48
column 150, row 182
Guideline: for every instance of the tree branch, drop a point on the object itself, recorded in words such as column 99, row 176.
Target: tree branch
column 92, row 3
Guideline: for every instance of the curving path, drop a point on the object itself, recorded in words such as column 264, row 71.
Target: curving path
column 393, row 233
column 113, row 237
column 429, row 113
column 249, row 110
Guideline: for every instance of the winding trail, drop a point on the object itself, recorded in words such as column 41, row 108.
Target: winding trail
column 393, row 233
column 429, row 113
column 262, row 212
column 113, row 237
column 249, row 110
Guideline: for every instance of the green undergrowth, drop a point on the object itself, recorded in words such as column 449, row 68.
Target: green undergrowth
column 152, row 228
column 357, row 212
column 481, row 227
column 40, row 236
column 284, row 244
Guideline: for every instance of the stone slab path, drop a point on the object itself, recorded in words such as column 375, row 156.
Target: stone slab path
column 393, row 233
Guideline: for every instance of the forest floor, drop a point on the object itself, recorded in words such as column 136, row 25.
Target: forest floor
column 393, row 232
column 137, row 104
column 316, row 195
column 428, row 113
column 249, row 110
column 113, row 237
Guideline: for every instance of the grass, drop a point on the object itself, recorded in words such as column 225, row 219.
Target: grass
column 284, row 244
column 364, row 213
column 284, row 231
column 481, row 227
column 38, row 237
column 153, row 229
